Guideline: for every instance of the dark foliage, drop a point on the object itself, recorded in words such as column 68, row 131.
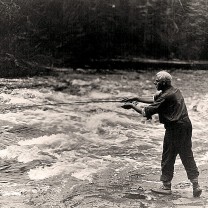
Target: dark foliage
column 73, row 32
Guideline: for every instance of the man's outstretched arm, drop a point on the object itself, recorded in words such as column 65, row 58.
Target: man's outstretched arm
column 144, row 99
column 132, row 106
column 137, row 109
column 148, row 100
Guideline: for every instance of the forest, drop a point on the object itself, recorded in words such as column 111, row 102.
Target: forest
column 75, row 32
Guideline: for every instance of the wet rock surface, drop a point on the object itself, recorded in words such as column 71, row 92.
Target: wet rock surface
column 93, row 154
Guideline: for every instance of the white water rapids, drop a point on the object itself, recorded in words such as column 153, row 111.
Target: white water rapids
column 82, row 140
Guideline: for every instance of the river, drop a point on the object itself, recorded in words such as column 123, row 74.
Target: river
column 60, row 149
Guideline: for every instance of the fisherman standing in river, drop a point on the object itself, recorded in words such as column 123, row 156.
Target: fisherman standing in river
column 169, row 104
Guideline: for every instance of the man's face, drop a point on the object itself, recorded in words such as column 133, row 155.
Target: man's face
column 158, row 84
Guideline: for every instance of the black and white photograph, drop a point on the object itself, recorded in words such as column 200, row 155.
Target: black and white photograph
column 103, row 104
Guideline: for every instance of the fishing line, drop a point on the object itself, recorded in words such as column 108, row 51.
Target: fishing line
column 66, row 103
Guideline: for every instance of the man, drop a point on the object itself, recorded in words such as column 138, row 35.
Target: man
column 169, row 104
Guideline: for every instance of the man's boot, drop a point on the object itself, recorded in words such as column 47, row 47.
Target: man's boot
column 164, row 189
column 196, row 188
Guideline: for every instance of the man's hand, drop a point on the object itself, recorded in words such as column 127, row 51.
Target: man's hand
column 127, row 105
column 147, row 99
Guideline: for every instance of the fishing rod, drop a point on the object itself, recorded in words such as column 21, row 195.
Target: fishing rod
column 97, row 101
column 67, row 103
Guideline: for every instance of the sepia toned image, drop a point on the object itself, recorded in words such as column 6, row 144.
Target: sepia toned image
column 103, row 103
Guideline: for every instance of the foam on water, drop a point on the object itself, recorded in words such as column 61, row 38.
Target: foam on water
column 22, row 154
column 82, row 169
column 85, row 174
column 202, row 160
column 98, row 125
column 30, row 150
column 28, row 96
column 82, row 82
column 94, row 121
column 47, row 140
column 99, row 95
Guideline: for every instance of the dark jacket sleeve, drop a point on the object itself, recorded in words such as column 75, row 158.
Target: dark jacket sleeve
column 155, row 107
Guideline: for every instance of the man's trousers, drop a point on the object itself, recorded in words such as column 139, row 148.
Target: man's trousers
column 177, row 140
